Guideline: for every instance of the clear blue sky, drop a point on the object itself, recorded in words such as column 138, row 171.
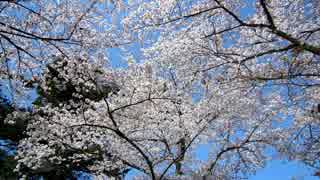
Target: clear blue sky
column 279, row 170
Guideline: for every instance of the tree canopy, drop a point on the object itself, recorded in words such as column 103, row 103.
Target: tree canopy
column 240, row 76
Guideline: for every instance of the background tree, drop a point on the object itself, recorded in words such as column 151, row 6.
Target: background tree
column 9, row 133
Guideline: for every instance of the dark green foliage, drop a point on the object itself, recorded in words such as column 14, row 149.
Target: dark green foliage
column 7, row 164
column 12, row 132
column 5, row 109
column 7, row 131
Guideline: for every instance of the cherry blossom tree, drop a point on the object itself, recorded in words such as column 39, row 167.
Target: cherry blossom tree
column 140, row 121
column 267, row 46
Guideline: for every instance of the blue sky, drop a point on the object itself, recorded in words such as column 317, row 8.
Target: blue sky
column 281, row 170
column 275, row 169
